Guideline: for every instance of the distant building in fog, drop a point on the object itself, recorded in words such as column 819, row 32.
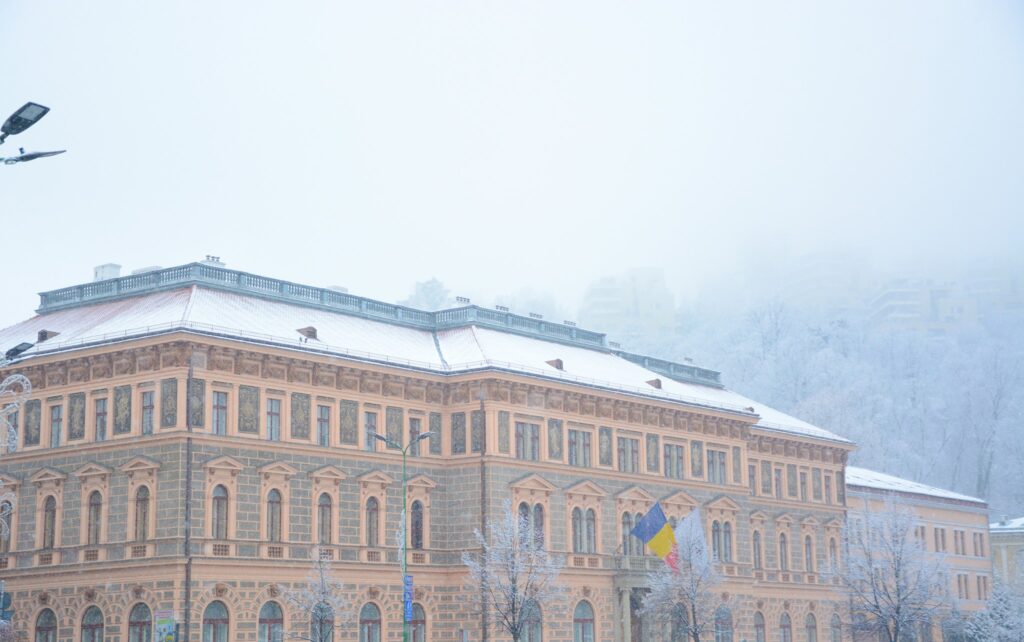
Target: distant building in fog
column 921, row 305
column 630, row 307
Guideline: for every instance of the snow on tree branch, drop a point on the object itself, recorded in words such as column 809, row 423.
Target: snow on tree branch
column 895, row 585
column 514, row 571
column 321, row 601
column 1003, row 617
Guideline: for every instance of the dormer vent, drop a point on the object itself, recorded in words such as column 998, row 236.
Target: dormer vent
column 43, row 335
column 309, row 332
column 655, row 383
column 501, row 308
column 462, row 299
column 556, row 364
column 534, row 315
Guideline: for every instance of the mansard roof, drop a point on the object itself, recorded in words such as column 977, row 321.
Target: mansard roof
column 205, row 299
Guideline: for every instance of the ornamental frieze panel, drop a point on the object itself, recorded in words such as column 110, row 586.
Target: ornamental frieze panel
column 124, row 363
column 300, row 374
column 56, row 375
column 393, row 388
column 370, row 384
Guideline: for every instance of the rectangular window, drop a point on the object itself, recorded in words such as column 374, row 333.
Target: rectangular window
column 778, row 483
column 101, row 420
column 697, row 459
column 841, row 489
column 816, row 484
column 370, row 424
column 766, row 478
column 274, row 419
column 791, row 479
column 828, row 489
column 527, row 441
column 56, row 424
column 752, row 478
column 323, row 425
column 148, row 407
column 579, row 448
column 803, row 486
column 415, row 429
column 737, row 466
column 629, row 454
column 675, row 460
column 716, row 466
column 935, row 537
column 220, row 413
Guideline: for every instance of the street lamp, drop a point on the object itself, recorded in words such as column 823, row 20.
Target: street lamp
column 405, row 502
column 22, row 119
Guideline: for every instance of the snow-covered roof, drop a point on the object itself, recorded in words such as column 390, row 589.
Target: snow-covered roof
column 1008, row 525
column 447, row 342
column 871, row 479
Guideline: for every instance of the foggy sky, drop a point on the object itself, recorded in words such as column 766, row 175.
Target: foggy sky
column 499, row 146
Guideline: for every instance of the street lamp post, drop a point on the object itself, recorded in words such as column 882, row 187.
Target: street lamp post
column 405, row 506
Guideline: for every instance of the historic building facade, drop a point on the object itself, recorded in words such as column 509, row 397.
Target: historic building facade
column 1007, row 536
column 195, row 433
column 949, row 524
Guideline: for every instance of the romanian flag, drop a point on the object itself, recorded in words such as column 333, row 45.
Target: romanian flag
column 655, row 531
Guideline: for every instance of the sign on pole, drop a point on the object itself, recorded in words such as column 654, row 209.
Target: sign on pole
column 407, row 597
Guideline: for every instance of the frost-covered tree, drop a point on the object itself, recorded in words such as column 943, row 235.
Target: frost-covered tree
column 515, row 573
column 1003, row 617
column 428, row 295
column 321, row 602
column 893, row 582
column 684, row 599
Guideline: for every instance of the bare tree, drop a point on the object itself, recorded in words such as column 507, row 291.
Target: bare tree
column 683, row 599
column 321, row 599
column 894, row 584
column 515, row 572
column 1003, row 617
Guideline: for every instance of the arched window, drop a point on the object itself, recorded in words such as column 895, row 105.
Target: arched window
column 716, row 540
column 140, row 624
column 142, row 514
column 215, row 622
column 6, row 519
column 416, row 518
column 274, row 516
column 583, row 623
column 757, row 549
column 95, row 517
column 640, row 547
column 538, row 526
column 271, row 623
column 46, row 626
column 808, row 554
column 785, row 629
column 324, row 518
column 837, row 628
column 372, row 521
column 92, row 625
column 833, row 556
column 811, row 628
column 783, row 553
column 220, row 513
column 759, row 631
column 418, row 624
column 577, row 530
column 369, row 623
column 591, row 530
column 723, row 625
column 727, row 542
column 533, row 623
column 49, row 522
column 627, row 539
column 321, row 623
column 680, row 623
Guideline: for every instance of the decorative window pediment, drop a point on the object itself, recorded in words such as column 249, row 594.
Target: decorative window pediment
column 833, row 525
column 224, row 465
column 421, row 481
column 48, row 477
column 809, row 522
column 140, row 465
column 722, row 506
column 92, row 470
column 680, row 502
column 585, row 489
column 278, row 471
column 532, row 486
column 9, row 483
column 329, row 474
column 758, row 517
column 376, row 480
column 634, row 499
column 784, row 519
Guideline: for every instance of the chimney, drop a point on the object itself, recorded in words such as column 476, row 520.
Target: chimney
column 557, row 364
column 43, row 335
column 213, row 260
column 106, row 271
column 655, row 383
column 462, row 300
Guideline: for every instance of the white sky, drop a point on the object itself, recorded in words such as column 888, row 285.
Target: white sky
column 507, row 145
